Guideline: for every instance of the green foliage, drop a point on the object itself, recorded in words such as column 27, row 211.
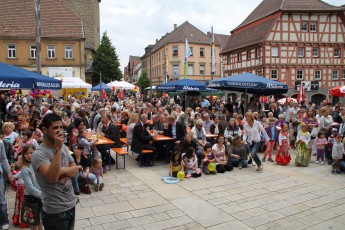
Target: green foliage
column 143, row 81
column 106, row 61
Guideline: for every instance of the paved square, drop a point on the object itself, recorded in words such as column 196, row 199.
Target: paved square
column 280, row 197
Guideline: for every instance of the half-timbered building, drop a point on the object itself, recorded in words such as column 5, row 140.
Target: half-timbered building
column 292, row 42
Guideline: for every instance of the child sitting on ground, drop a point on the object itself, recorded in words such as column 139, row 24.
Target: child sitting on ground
column 175, row 164
column 208, row 158
column 337, row 154
column 97, row 170
column 190, row 163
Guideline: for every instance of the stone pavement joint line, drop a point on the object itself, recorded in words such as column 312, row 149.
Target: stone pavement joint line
column 279, row 197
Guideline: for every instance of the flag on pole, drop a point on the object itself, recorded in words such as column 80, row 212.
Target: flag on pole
column 166, row 66
column 213, row 55
column 187, row 53
column 301, row 94
column 104, row 95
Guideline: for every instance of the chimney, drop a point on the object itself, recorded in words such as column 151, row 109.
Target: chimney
column 175, row 26
column 208, row 33
column 156, row 40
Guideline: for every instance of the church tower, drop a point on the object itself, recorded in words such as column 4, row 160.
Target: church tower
column 88, row 11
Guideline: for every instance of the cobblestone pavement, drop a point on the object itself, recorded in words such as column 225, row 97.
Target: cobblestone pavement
column 279, row 197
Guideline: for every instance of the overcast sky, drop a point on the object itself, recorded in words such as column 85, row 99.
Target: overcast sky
column 134, row 24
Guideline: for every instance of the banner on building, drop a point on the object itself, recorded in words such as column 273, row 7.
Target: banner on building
column 60, row 71
column 308, row 85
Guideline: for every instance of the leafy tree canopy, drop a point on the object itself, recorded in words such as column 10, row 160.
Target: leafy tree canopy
column 106, row 61
column 143, row 81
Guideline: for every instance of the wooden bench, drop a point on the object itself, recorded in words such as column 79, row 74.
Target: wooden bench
column 146, row 152
column 124, row 140
column 120, row 153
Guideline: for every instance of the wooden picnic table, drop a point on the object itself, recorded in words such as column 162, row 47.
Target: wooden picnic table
column 164, row 138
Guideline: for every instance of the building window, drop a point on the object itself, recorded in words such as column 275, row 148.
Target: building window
column 258, row 72
column 257, row 53
column 68, row 52
column 33, row 52
column 191, row 51
column 51, row 51
column 202, row 52
column 299, row 74
column 335, row 74
column 228, row 61
column 11, row 51
column 313, row 27
column 304, row 27
column 315, row 52
column 249, row 53
column 190, row 69
column 176, row 72
column 317, row 75
column 274, row 74
column 337, row 52
column 175, row 51
column 343, row 75
column 202, row 69
column 275, row 52
column 300, row 52
column 239, row 57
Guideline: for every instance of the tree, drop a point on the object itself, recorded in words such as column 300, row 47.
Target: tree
column 143, row 81
column 106, row 61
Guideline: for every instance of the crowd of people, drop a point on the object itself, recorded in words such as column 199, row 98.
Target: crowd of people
column 48, row 155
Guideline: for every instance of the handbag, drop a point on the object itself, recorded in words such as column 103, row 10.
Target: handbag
column 313, row 132
column 30, row 213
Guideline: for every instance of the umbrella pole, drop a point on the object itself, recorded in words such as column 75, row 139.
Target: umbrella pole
column 246, row 106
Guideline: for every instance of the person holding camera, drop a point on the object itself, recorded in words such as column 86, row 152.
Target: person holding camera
column 54, row 166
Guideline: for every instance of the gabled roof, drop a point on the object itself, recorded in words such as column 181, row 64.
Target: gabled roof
column 246, row 34
column 268, row 7
column 178, row 35
column 253, row 35
column 17, row 19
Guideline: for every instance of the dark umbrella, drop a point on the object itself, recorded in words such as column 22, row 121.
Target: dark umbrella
column 13, row 77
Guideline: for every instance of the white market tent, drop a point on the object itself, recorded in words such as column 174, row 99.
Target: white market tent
column 121, row 85
column 74, row 83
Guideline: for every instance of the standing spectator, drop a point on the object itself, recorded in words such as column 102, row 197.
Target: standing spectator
column 54, row 166
column 272, row 132
column 4, row 166
column 32, row 191
column 252, row 130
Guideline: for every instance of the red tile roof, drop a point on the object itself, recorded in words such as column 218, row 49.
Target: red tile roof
column 268, row 7
column 243, row 36
column 17, row 19
column 253, row 35
column 178, row 35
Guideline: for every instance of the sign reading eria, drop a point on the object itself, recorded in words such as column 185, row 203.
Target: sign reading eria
column 11, row 85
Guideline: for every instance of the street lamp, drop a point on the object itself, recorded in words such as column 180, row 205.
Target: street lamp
column 150, row 77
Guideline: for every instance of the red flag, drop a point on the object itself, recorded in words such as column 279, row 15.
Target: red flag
column 301, row 94
column 104, row 95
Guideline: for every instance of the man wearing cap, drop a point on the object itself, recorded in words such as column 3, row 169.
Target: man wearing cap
column 207, row 123
column 204, row 102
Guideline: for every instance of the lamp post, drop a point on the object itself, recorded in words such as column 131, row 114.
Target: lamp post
column 150, row 77
column 38, row 36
